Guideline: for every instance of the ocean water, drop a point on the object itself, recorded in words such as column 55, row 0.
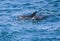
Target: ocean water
column 12, row 29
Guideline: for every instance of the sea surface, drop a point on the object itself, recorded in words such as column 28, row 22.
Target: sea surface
column 13, row 29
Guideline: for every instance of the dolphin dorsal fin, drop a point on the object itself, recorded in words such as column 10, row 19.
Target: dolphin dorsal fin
column 33, row 14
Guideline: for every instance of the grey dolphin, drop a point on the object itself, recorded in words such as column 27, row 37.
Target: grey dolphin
column 27, row 16
column 33, row 16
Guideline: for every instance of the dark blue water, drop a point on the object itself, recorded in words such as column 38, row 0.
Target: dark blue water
column 12, row 29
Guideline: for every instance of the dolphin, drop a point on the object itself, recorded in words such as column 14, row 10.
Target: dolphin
column 33, row 16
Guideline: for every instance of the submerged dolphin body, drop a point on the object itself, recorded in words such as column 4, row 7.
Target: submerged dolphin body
column 33, row 17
